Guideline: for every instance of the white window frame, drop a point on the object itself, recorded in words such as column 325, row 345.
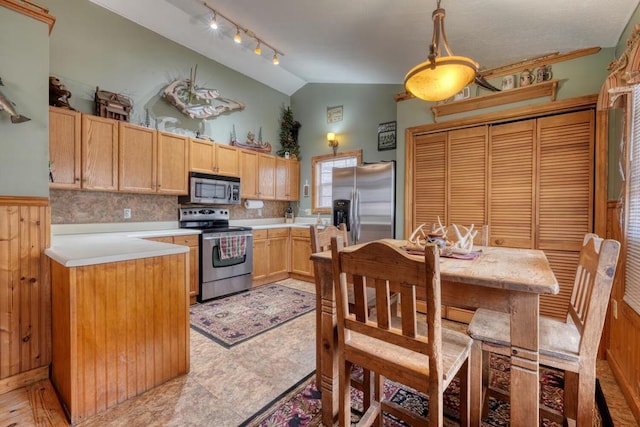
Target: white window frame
column 322, row 181
column 632, row 206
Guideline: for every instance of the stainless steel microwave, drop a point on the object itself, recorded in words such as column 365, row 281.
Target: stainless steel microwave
column 212, row 190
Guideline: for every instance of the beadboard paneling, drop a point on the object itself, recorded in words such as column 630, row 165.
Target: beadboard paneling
column 25, row 291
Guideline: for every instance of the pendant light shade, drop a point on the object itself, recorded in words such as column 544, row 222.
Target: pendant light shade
column 440, row 77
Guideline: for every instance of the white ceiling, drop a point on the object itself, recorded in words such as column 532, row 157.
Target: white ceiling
column 375, row 41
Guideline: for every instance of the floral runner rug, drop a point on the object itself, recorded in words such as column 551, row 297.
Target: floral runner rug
column 239, row 317
column 301, row 404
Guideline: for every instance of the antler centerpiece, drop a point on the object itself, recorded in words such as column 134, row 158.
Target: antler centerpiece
column 462, row 245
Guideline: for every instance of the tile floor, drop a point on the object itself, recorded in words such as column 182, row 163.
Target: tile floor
column 227, row 386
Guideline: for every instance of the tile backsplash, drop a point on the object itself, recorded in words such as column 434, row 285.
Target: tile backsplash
column 88, row 207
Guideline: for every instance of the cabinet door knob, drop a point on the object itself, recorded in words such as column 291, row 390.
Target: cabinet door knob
column 499, row 242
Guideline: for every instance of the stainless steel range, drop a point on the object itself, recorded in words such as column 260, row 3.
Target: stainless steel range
column 226, row 253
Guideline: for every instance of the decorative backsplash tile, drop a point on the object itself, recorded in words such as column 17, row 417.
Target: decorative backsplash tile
column 88, row 207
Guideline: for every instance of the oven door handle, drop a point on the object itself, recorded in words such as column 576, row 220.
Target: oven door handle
column 218, row 237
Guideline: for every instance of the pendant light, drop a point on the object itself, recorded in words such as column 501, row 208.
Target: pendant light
column 440, row 77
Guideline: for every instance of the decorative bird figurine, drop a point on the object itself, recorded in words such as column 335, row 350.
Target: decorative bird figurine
column 9, row 107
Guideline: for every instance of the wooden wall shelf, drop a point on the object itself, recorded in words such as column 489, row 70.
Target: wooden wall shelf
column 537, row 90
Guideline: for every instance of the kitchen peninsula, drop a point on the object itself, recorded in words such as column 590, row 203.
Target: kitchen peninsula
column 120, row 320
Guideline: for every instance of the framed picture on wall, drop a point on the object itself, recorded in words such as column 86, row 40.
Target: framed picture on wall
column 387, row 136
column 334, row 114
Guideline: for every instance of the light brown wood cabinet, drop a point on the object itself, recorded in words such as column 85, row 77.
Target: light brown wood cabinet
column 118, row 330
column 194, row 263
column 173, row 163
column 64, row 148
column 212, row 158
column 95, row 153
column 266, row 177
column 287, row 179
column 192, row 241
column 270, row 255
column 99, row 153
column 249, row 174
column 137, row 159
column 258, row 175
column 301, row 265
column 151, row 161
column 531, row 181
column 269, row 177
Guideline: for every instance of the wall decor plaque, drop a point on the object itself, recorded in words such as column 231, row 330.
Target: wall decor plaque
column 334, row 114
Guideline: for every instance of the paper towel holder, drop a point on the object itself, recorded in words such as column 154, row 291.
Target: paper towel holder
column 253, row 204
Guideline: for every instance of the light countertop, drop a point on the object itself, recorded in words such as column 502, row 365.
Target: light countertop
column 75, row 250
column 74, row 245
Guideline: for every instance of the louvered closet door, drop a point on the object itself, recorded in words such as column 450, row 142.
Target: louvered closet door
column 511, row 189
column 429, row 164
column 467, row 190
column 565, row 197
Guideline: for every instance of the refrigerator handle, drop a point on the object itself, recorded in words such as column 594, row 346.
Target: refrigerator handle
column 356, row 210
column 352, row 218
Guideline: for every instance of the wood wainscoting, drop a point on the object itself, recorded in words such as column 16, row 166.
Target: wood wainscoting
column 119, row 329
column 25, row 291
column 622, row 330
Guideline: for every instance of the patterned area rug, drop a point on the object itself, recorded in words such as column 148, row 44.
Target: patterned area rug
column 237, row 318
column 301, row 405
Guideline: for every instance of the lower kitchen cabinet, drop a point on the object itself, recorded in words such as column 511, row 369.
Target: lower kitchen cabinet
column 191, row 240
column 270, row 255
column 118, row 330
column 301, row 265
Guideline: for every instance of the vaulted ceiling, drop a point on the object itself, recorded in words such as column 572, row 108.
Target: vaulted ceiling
column 375, row 41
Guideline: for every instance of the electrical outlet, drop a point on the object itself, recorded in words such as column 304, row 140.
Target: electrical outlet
column 614, row 308
column 127, row 213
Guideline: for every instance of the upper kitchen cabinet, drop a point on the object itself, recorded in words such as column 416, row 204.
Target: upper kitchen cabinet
column 138, row 154
column 267, row 177
column 173, row 163
column 152, row 161
column 248, row 174
column 212, row 158
column 64, row 148
column 99, row 153
column 287, row 179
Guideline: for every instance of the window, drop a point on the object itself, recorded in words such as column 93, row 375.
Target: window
column 321, row 169
column 632, row 229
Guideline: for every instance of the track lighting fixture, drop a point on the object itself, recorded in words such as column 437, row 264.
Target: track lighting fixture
column 214, row 23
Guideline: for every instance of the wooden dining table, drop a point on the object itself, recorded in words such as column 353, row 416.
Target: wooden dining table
column 502, row 279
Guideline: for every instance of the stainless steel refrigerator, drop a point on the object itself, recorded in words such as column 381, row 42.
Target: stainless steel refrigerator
column 364, row 199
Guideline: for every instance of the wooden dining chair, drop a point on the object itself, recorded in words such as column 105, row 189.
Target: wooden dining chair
column 570, row 345
column 418, row 353
column 321, row 241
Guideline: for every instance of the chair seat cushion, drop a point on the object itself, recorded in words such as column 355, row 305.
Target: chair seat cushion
column 557, row 339
column 455, row 350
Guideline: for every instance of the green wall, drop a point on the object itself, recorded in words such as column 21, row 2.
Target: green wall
column 364, row 107
column 578, row 77
column 91, row 46
column 24, row 147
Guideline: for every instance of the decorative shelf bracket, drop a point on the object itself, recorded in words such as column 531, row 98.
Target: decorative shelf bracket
column 524, row 93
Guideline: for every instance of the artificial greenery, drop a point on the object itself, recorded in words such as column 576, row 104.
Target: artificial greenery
column 289, row 134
